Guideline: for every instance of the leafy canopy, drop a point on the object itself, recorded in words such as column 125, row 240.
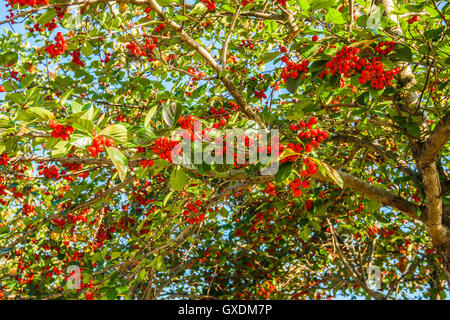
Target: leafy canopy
column 92, row 92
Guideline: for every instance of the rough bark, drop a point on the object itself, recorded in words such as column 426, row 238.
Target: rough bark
column 426, row 147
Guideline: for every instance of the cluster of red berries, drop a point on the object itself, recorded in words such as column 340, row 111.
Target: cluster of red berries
column 347, row 62
column 270, row 189
column 385, row 47
column 416, row 198
column 192, row 208
column 150, row 44
column 161, row 27
column 296, row 186
column 4, row 159
column 413, row 19
column 260, row 94
column 308, row 204
column 31, row 3
column 28, row 209
column 197, row 75
column 234, row 106
column 163, row 147
column 383, row 232
column 60, row 131
column 102, row 235
column 134, row 49
column 107, row 57
column 246, row 2
column 144, row 163
column 98, row 145
column 210, row 5
column 76, row 58
column 57, row 48
column 50, row 26
column 302, row 124
column 293, row 70
column 140, row 150
column 171, row 58
column 37, row 28
column 282, row 2
column 312, row 168
column 222, row 115
column 310, row 138
column 73, row 167
column 376, row 75
column 314, row 136
column 186, row 122
column 247, row 43
column 49, row 172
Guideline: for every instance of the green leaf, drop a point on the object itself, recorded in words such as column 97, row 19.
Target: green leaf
column 334, row 16
column 9, row 58
column 305, row 233
column 402, row 52
column 318, row 65
column 115, row 255
column 167, row 198
column 81, row 142
column 269, row 56
column 373, row 205
column 199, row 9
column 158, row 263
column 150, row 115
column 322, row 4
column 25, row 82
column 287, row 153
column 112, row 293
column 178, row 178
column 292, row 85
column 171, row 113
column 363, row 98
column 413, row 129
column 331, row 172
column 166, row 2
column 179, row 17
column 304, row 5
column 82, row 124
column 76, row 107
column 46, row 17
column 61, row 148
column 119, row 160
column 284, row 172
column 41, row 113
column 227, row 8
column 4, row 229
column 87, row 49
column 117, row 132
column 144, row 137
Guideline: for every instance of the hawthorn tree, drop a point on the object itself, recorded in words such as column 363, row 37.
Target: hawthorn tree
column 93, row 205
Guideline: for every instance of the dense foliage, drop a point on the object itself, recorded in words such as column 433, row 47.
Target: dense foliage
column 93, row 90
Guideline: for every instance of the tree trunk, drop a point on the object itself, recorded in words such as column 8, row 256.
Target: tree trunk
column 443, row 252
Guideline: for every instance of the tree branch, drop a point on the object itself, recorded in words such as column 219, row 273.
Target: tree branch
column 435, row 141
column 374, row 193
column 209, row 59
